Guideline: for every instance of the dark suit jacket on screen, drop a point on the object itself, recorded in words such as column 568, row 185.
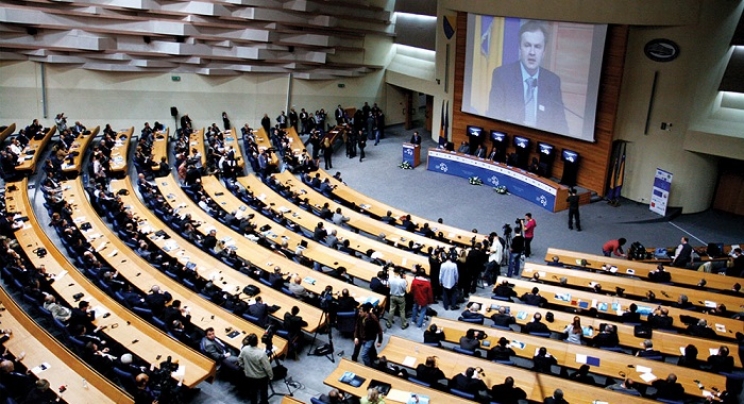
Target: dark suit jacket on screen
column 506, row 101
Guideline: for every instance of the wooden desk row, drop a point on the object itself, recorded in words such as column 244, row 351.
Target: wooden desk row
column 667, row 343
column 538, row 386
column 606, row 363
column 329, row 257
column 62, row 367
column 208, row 267
column 120, row 152
column 702, row 251
column 78, row 148
column 395, row 237
column 139, row 273
column 160, row 146
column 613, row 305
column 9, row 130
column 635, row 268
column 636, row 288
column 33, row 152
column 140, row 337
column 308, row 221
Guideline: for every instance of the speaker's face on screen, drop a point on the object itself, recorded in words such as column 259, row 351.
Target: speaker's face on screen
column 531, row 49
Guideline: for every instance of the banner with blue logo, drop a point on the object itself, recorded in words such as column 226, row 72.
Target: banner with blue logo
column 492, row 174
column 660, row 191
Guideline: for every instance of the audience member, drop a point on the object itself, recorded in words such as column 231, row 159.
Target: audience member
column 668, row 388
column 543, row 361
column 507, row 393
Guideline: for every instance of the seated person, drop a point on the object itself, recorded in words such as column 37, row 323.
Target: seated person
column 582, row 376
column 434, row 335
column 543, row 361
column 648, row 349
column 333, row 397
column 472, row 312
column 721, row 361
column 502, row 319
column 533, row 298
column 346, row 302
column 502, row 351
column 690, row 359
column 471, row 341
column 293, row 323
column 260, row 310
column 701, row 330
column 683, row 302
column 428, row 372
column 556, row 398
column 503, row 289
column 632, row 315
column 627, row 386
column 607, row 337
column 296, row 288
column 506, row 393
column 536, row 325
column 384, row 366
column 668, row 388
column 469, row 381
column 659, row 275
column 660, row 318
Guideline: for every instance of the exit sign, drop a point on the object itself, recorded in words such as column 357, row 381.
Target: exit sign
column 175, row 78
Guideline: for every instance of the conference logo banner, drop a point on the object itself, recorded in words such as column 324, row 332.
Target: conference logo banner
column 660, row 191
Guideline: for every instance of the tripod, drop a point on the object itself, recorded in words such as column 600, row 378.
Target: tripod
column 280, row 372
column 327, row 349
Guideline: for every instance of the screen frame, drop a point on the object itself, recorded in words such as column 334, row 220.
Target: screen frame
column 516, row 138
column 563, row 155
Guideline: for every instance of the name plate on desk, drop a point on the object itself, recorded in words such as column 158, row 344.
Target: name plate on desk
column 517, row 182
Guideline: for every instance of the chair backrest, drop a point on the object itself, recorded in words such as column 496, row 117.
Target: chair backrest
column 540, row 334
column 315, row 401
column 142, row 312
column 502, row 298
column 252, row 319
column 464, row 351
column 471, row 320
column 159, row 323
column 500, row 327
column 419, row 382
column 463, row 394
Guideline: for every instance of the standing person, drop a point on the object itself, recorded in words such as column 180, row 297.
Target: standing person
column 416, row 138
column 423, row 296
column 293, row 119
column 362, row 144
column 529, row 225
column 339, row 114
column 266, row 124
column 225, row 121
column 398, row 286
column 573, row 210
column 281, row 120
column 257, row 370
column 305, row 121
column 474, row 265
column 366, row 331
column 683, row 255
column 614, row 247
column 515, row 253
column 448, row 276
column 314, row 141
column 327, row 151
column 495, row 256
column 435, row 263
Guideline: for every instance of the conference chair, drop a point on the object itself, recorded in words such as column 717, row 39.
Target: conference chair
column 465, row 395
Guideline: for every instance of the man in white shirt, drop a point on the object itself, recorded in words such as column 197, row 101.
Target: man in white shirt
column 448, row 279
column 398, row 286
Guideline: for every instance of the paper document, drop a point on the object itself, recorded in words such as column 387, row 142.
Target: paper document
column 60, row 275
column 643, row 369
column 648, row 377
column 409, row 361
column 38, row 369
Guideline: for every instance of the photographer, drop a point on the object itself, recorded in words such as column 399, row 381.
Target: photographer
column 515, row 253
column 61, row 121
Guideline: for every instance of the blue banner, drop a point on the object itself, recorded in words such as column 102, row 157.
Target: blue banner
column 517, row 181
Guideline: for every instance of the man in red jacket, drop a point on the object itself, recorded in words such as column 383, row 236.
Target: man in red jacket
column 423, row 296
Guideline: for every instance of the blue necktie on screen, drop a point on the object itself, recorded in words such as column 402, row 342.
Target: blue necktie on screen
column 530, row 107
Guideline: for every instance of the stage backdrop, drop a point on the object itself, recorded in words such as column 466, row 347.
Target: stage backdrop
column 595, row 156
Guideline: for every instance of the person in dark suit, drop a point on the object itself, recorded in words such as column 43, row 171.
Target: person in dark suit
column 416, row 138
column 660, row 318
column 428, row 372
column 683, row 256
column 533, row 298
column 543, row 361
column 502, row 319
column 701, row 330
column 471, row 340
column 502, row 351
column 536, row 325
column 632, row 315
column 668, row 388
column 506, row 393
column 690, row 359
column 556, row 398
column 469, row 381
column 721, row 361
column 260, row 310
column 607, row 338
column 648, row 349
column 525, row 93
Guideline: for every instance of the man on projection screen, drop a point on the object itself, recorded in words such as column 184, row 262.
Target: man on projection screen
column 525, row 93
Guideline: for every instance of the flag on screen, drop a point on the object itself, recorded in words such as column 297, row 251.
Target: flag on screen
column 486, row 22
column 443, row 126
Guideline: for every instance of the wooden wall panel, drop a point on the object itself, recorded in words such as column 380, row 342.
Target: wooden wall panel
column 595, row 157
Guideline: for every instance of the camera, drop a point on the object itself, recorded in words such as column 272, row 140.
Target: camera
column 507, row 229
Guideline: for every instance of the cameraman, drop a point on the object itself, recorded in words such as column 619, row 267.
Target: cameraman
column 61, row 121
column 257, row 369
column 515, row 253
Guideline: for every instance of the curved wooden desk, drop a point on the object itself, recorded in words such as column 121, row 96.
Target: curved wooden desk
column 358, row 242
column 7, row 132
column 394, row 236
column 608, row 363
column 634, row 288
column 541, row 191
column 143, row 276
column 84, row 385
column 36, row 147
column 613, row 305
column 160, row 146
column 640, row 269
column 78, row 148
column 120, row 152
column 538, row 386
column 667, row 343
column 138, row 336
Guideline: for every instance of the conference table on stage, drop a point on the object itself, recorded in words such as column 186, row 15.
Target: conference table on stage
column 541, row 191
column 637, row 268
column 668, row 343
column 143, row 276
column 141, row 338
column 606, row 363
